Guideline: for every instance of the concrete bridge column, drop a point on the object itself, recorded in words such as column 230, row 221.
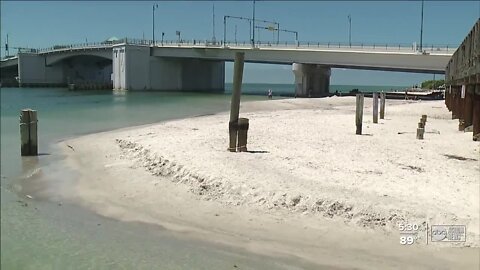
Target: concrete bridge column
column 134, row 68
column 33, row 71
column 311, row 80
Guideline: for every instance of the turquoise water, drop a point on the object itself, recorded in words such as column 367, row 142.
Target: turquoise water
column 42, row 235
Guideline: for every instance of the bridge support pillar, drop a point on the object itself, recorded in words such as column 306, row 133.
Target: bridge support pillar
column 311, row 80
column 32, row 71
column 134, row 68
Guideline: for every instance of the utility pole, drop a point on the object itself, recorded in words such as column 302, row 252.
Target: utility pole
column 6, row 48
column 350, row 30
column 253, row 28
column 421, row 31
column 278, row 33
column 213, row 22
column 235, row 34
column 153, row 22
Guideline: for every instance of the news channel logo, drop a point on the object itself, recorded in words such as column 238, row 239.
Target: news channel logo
column 448, row 233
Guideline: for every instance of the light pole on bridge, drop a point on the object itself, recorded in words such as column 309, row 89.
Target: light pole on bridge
column 421, row 31
column 253, row 27
column 349, row 30
column 155, row 6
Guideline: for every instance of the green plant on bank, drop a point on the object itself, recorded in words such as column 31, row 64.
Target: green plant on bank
column 432, row 84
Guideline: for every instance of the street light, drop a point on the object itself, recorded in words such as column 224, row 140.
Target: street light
column 253, row 27
column 155, row 6
column 178, row 35
column 421, row 31
column 350, row 30
column 250, row 21
column 213, row 23
column 235, row 34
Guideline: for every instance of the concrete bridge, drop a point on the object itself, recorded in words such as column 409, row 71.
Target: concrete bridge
column 197, row 66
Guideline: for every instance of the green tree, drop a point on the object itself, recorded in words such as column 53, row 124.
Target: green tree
column 432, row 84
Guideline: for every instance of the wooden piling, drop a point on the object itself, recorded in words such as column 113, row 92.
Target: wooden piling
column 468, row 111
column 242, row 134
column 375, row 107
column 359, row 113
column 420, row 132
column 423, row 119
column 447, row 98
column 461, row 109
column 33, row 133
column 235, row 102
column 382, row 105
column 455, row 96
column 28, row 133
column 25, row 133
column 476, row 114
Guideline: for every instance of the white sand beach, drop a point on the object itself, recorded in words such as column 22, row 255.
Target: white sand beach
column 308, row 188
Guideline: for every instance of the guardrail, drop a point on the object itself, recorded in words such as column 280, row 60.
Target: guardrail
column 403, row 47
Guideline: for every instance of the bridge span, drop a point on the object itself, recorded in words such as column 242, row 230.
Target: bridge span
column 192, row 66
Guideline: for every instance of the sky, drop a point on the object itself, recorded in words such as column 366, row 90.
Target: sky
column 38, row 24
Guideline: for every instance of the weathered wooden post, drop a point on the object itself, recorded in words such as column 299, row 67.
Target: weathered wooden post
column 25, row 133
column 476, row 114
column 423, row 119
column 28, row 133
column 382, row 105
column 359, row 113
column 375, row 107
column 420, row 132
column 461, row 109
column 454, row 103
column 235, row 102
column 468, row 113
column 242, row 134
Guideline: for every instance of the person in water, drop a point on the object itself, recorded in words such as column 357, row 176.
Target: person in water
column 270, row 94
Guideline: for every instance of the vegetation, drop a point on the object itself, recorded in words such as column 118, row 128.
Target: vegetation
column 432, row 84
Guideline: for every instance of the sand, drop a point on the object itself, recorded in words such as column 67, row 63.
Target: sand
column 308, row 188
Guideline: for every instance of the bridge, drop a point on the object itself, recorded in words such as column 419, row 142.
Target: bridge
column 200, row 65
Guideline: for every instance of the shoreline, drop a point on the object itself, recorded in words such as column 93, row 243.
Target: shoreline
column 95, row 189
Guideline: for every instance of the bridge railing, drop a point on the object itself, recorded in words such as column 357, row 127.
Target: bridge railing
column 402, row 47
column 406, row 47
